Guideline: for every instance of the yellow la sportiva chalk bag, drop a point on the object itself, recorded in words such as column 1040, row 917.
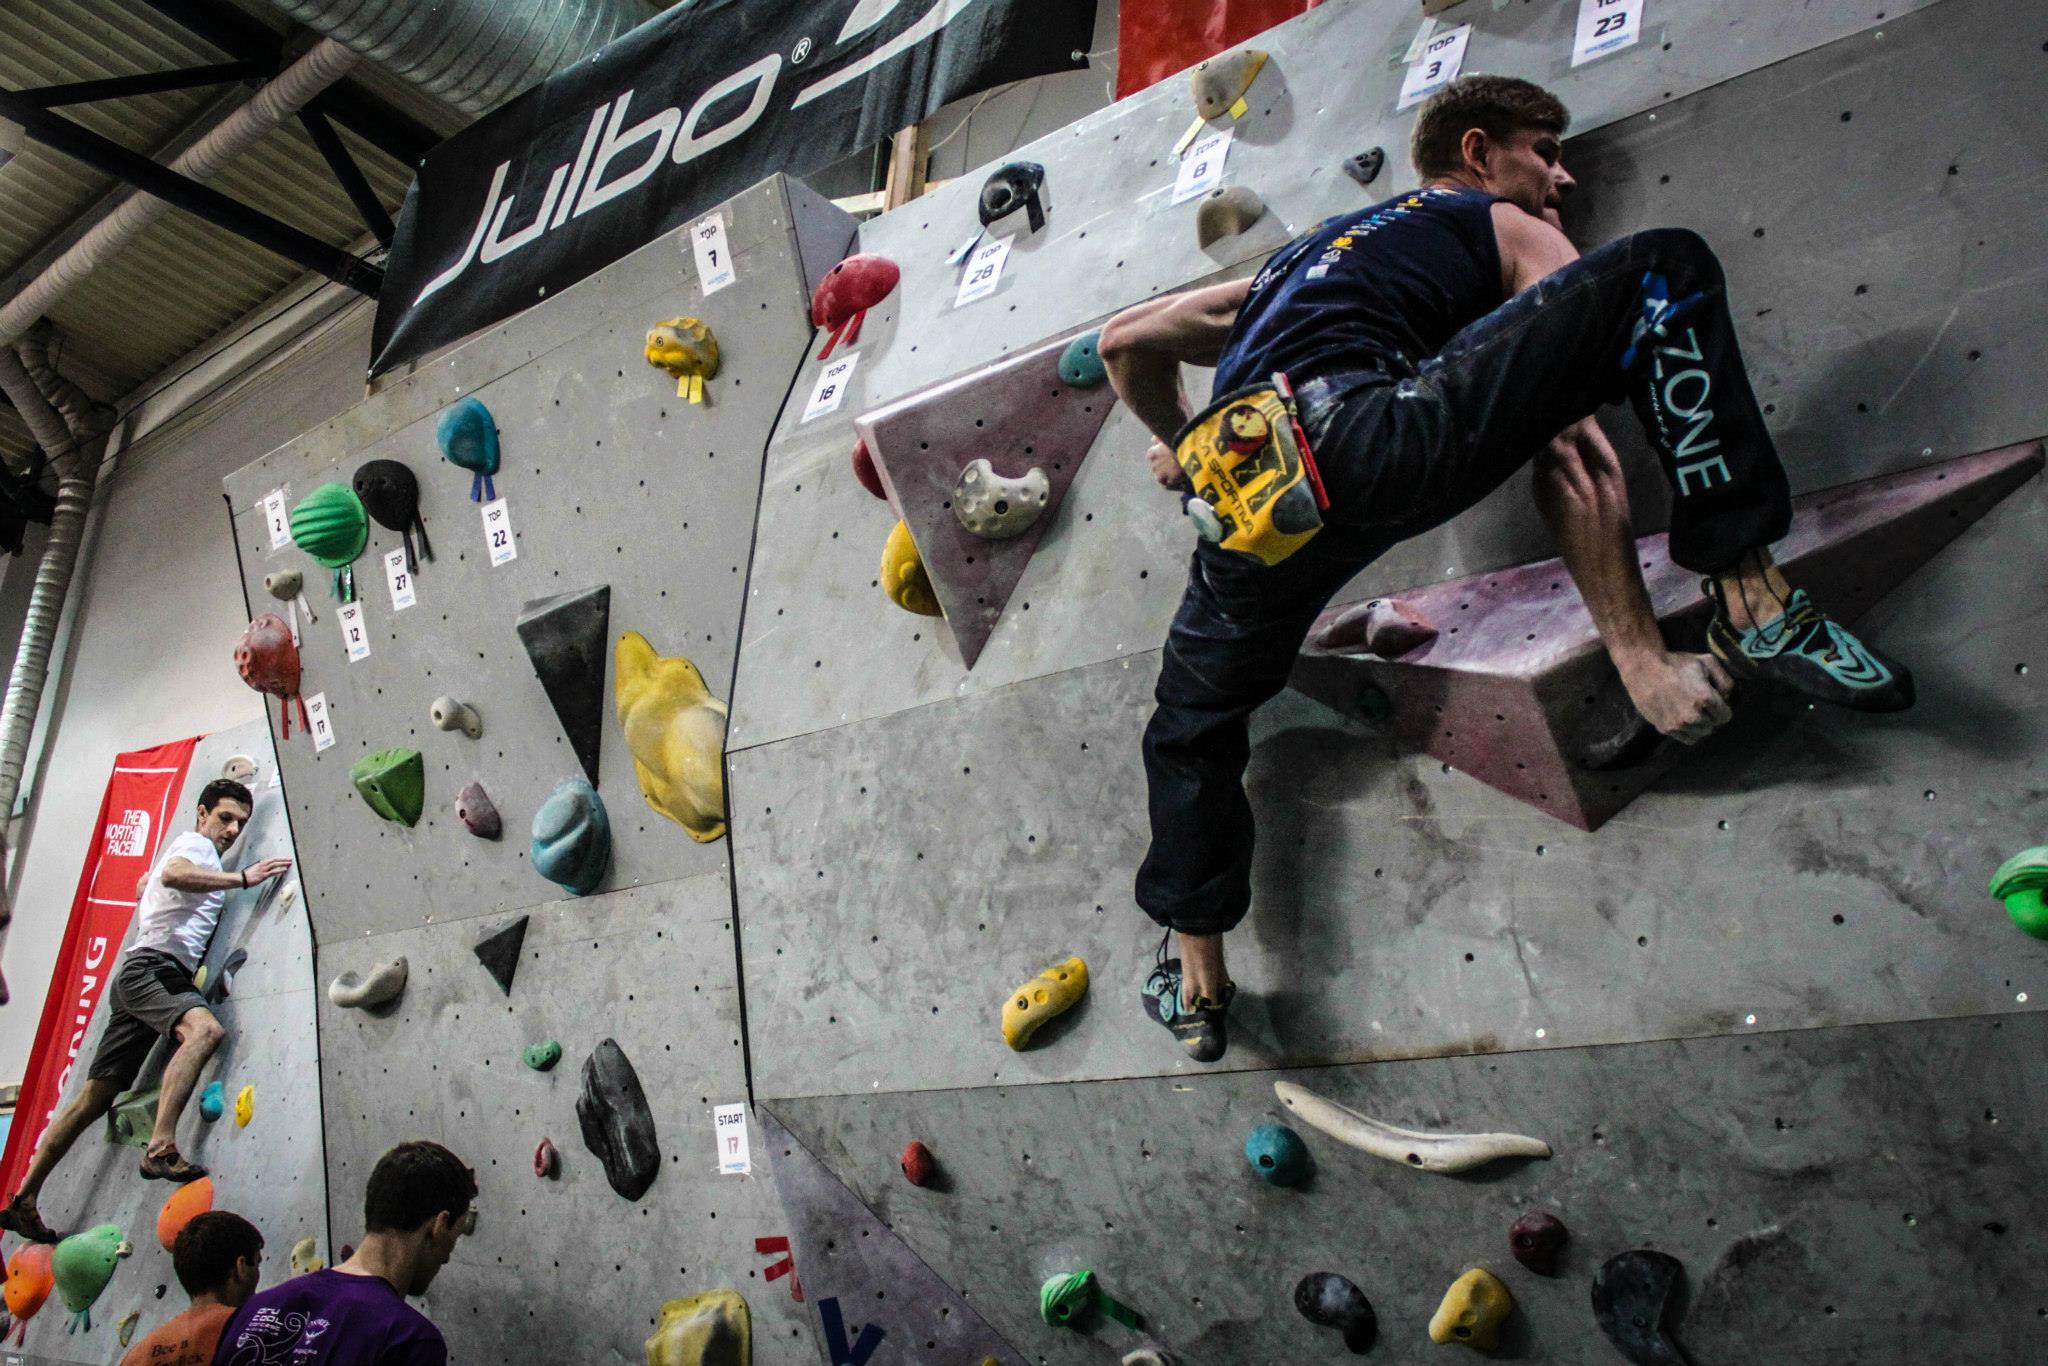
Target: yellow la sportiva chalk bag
column 1256, row 487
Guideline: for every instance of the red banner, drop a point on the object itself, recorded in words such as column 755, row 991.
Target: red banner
column 1155, row 38
column 139, row 807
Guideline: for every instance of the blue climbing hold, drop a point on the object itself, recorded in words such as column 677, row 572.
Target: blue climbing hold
column 211, row 1102
column 469, row 439
column 1277, row 1154
column 572, row 837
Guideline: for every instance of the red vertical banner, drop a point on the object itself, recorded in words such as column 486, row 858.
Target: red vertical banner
column 139, row 807
column 1155, row 38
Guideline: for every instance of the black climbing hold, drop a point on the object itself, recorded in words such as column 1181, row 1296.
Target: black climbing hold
column 566, row 637
column 1329, row 1299
column 1365, row 167
column 1017, row 185
column 617, row 1125
column 499, row 953
column 390, row 493
column 1632, row 1296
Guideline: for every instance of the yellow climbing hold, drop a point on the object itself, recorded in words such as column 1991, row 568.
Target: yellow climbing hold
column 1473, row 1310
column 686, row 349
column 711, row 1329
column 128, row 1322
column 903, row 576
column 676, row 731
column 245, row 1107
column 1050, row 993
column 306, row 1256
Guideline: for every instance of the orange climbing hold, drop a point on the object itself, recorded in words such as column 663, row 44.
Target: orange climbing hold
column 184, row 1204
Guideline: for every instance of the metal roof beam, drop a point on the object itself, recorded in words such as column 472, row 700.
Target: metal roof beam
column 147, row 83
column 353, row 183
column 246, row 38
column 104, row 154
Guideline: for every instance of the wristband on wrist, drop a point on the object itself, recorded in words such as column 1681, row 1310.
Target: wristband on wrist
column 245, row 877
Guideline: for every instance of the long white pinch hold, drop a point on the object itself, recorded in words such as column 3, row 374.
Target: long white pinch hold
column 1408, row 1147
column 384, row 982
column 448, row 714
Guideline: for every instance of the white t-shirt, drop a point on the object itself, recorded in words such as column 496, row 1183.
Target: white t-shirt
column 175, row 922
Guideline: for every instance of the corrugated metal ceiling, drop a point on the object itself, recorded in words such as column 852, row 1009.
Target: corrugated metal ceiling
column 183, row 280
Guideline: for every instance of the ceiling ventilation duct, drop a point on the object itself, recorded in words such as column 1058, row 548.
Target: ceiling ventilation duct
column 473, row 54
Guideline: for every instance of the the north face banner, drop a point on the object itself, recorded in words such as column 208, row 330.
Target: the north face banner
column 140, row 804
column 687, row 110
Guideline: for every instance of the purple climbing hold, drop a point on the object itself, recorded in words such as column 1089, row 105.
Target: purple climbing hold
column 1537, row 1239
column 478, row 813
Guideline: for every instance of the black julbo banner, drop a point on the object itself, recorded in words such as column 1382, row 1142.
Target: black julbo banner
column 687, row 110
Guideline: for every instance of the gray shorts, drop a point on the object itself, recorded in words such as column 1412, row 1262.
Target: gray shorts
column 147, row 998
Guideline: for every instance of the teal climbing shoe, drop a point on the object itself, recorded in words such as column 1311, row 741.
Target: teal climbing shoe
column 1204, row 1028
column 1809, row 653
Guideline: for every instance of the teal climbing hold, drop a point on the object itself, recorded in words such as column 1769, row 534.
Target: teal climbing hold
column 2019, row 883
column 542, row 1056
column 469, row 440
column 1277, row 1154
column 211, row 1102
column 1081, row 363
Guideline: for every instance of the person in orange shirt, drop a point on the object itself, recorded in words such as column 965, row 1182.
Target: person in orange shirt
column 219, row 1259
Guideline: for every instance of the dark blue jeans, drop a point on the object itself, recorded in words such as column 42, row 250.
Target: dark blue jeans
column 1402, row 453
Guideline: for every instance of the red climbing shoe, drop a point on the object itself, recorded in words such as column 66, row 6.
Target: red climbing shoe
column 21, row 1217
column 170, row 1167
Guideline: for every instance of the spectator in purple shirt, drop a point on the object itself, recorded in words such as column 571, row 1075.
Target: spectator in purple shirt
column 418, row 1203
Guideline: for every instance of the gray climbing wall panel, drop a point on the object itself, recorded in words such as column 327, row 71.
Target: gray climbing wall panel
column 271, row 1172
column 611, row 479
column 1836, row 1195
column 1717, row 1008
column 1113, row 238
column 565, row 1259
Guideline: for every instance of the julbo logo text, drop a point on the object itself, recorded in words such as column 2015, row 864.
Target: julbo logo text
column 616, row 159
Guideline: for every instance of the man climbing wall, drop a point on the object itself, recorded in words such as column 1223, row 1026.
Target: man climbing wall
column 153, row 994
column 1381, row 374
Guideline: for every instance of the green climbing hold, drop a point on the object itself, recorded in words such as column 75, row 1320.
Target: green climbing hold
column 393, row 782
column 1277, row 1154
column 1081, row 363
column 331, row 525
column 1065, row 1300
column 82, row 1265
column 542, row 1057
column 2019, row 883
column 132, row 1119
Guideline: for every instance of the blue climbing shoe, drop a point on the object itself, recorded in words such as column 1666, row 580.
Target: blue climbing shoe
column 1204, row 1029
column 1807, row 652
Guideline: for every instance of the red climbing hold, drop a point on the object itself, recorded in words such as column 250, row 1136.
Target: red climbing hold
column 267, row 658
column 919, row 1167
column 1537, row 1240
column 546, row 1161
column 865, row 471
column 846, row 294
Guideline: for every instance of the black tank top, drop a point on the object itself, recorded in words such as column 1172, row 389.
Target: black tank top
column 1379, row 288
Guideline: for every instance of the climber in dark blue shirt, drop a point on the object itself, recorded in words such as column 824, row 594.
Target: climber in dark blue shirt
column 1378, row 376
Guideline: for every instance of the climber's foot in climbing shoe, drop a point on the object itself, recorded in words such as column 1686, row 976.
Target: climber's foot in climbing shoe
column 20, row 1217
column 170, row 1166
column 1807, row 652
column 1203, row 1028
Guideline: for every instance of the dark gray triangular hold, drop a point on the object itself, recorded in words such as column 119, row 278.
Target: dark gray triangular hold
column 499, row 953
column 846, row 1256
column 566, row 637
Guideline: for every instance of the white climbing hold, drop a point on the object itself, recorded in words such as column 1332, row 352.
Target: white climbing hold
column 383, row 983
column 995, row 508
column 1408, row 1147
column 448, row 714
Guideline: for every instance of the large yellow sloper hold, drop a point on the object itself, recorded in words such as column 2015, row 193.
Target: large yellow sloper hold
column 1473, row 1310
column 675, row 729
column 1052, row 992
column 903, row 576
column 686, row 349
column 711, row 1329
